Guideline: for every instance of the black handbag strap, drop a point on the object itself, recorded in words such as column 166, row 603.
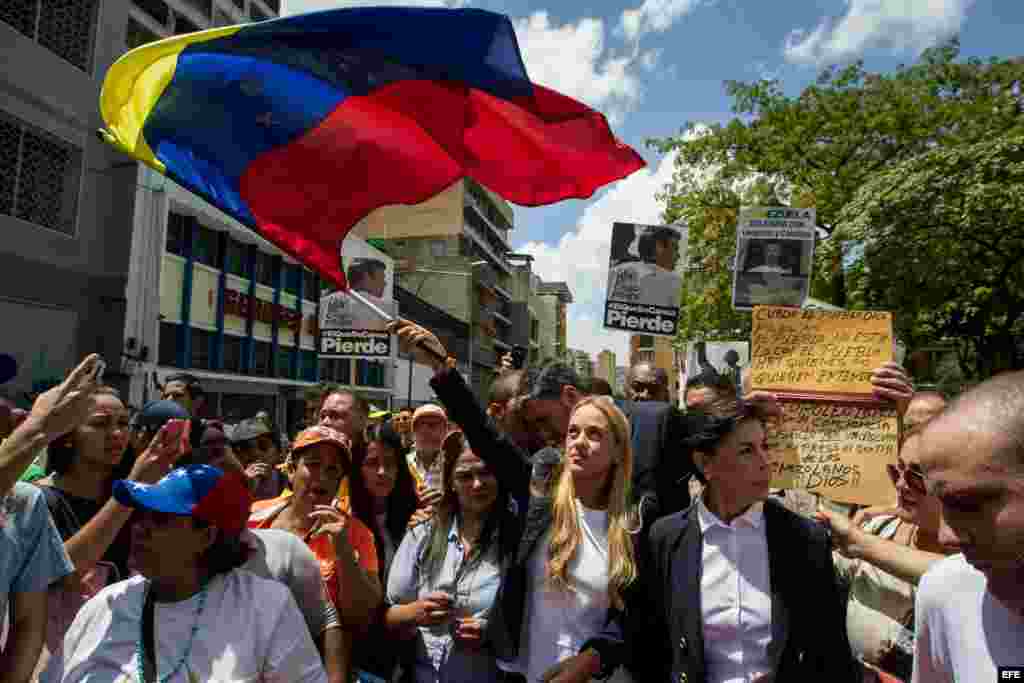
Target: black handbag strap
column 148, row 654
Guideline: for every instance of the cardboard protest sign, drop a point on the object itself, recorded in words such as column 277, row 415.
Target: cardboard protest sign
column 348, row 327
column 817, row 352
column 774, row 256
column 644, row 283
column 836, row 450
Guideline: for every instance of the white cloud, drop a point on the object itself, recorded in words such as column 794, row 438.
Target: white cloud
column 581, row 256
column 289, row 7
column 907, row 25
column 571, row 58
column 654, row 15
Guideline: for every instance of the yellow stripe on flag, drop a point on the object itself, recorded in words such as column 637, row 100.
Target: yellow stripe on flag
column 134, row 84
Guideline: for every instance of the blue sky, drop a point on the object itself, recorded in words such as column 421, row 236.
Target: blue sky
column 652, row 65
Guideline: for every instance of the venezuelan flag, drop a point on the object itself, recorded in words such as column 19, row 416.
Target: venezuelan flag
column 299, row 127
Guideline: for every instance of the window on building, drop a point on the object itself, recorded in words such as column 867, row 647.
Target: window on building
column 41, row 176
column 310, row 365
column 336, row 370
column 236, row 257
column 369, row 373
column 157, row 9
column 183, row 24
column 261, row 359
column 258, row 14
column 233, row 347
column 136, row 34
column 168, row 344
column 291, row 278
column 201, row 6
column 438, row 248
column 206, row 250
column 265, row 269
column 65, row 27
column 202, row 348
column 283, row 367
column 310, row 285
column 179, row 233
column 221, row 18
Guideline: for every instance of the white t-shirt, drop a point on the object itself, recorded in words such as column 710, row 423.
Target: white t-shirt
column 644, row 283
column 284, row 557
column 963, row 633
column 250, row 630
column 557, row 623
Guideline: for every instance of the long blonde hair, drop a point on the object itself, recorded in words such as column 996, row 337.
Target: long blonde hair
column 566, row 534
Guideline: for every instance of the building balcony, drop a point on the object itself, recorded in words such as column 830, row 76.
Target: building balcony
column 485, row 246
column 500, row 233
column 501, row 317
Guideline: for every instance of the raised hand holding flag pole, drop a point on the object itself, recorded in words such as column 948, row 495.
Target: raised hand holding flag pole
column 299, row 127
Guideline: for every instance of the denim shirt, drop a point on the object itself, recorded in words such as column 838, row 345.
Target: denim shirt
column 439, row 659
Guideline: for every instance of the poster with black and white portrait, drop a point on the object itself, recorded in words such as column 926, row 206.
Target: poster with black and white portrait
column 774, row 257
column 348, row 327
column 644, row 280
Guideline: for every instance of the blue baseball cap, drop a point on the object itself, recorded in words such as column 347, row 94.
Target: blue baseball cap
column 200, row 491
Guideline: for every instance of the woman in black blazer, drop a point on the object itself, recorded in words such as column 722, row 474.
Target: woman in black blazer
column 737, row 586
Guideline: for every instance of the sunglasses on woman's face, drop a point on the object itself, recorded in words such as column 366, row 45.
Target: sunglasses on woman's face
column 911, row 474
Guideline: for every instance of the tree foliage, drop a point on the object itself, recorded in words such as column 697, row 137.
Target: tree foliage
column 943, row 237
column 842, row 141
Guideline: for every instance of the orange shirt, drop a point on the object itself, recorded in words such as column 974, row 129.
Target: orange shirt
column 264, row 512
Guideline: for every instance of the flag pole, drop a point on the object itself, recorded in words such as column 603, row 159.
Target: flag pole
column 383, row 315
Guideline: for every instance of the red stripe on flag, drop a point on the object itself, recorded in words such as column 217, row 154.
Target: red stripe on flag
column 410, row 140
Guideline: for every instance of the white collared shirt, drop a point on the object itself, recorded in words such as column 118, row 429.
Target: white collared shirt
column 736, row 605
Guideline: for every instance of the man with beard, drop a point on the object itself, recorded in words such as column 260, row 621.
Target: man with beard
column 970, row 607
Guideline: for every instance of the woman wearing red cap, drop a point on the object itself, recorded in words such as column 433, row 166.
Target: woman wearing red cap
column 191, row 615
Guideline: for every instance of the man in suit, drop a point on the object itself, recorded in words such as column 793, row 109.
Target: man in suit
column 736, row 587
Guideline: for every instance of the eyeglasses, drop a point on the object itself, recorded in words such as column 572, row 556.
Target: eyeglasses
column 911, row 474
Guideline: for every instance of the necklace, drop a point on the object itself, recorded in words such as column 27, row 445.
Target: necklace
column 140, row 648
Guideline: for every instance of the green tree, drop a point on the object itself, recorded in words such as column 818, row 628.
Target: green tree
column 709, row 205
column 827, row 144
column 943, row 237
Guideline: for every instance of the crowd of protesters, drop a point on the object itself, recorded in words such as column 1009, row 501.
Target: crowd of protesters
column 552, row 534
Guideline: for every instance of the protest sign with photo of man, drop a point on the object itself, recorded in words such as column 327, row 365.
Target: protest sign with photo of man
column 643, row 280
column 774, row 257
column 349, row 328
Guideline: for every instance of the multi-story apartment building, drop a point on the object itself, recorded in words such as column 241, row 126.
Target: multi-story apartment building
column 452, row 252
column 583, row 364
column 66, row 208
column 553, row 299
column 606, row 367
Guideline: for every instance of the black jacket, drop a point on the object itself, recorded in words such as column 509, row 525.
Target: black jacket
column 809, row 641
column 660, row 473
column 513, row 468
column 661, row 465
